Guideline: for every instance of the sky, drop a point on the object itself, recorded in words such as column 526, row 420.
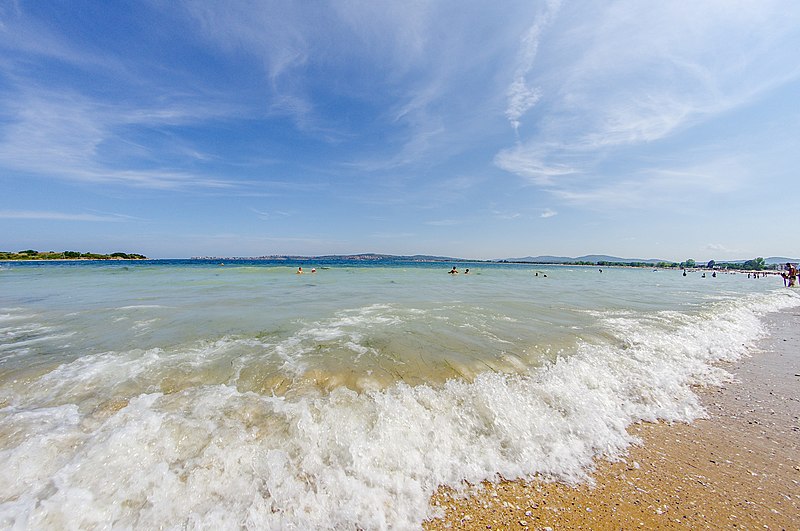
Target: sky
column 639, row 129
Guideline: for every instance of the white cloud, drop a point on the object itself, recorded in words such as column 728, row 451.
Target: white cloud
column 522, row 97
column 539, row 165
column 628, row 75
column 548, row 213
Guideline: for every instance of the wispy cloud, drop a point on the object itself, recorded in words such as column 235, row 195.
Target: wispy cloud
column 62, row 216
column 718, row 247
column 393, row 235
column 69, row 136
column 548, row 213
column 238, row 244
column 501, row 214
column 271, row 214
column 25, row 35
column 426, row 85
column 56, row 127
column 444, row 222
column 669, row 185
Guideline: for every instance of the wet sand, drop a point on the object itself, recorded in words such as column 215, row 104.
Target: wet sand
column 737, row 469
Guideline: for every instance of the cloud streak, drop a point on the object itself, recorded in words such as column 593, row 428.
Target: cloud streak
column 62, row 216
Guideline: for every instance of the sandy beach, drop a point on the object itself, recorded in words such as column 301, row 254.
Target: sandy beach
column 737, row 469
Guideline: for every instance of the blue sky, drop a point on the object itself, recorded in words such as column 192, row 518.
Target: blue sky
column 640, row 129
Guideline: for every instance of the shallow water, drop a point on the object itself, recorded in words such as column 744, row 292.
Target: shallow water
column 186, row 393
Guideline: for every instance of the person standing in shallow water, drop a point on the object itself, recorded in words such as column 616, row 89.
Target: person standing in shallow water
column 453, row 271
column 791, row 273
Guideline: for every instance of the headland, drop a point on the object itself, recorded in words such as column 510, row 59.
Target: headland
column 31, row 254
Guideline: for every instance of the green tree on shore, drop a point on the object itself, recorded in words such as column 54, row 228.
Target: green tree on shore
column 756, row 264
column 30, row 254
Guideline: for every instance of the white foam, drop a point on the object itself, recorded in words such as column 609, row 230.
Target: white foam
column 347, row 329
column 14, row 316
column 30, row 335
column 213, row 457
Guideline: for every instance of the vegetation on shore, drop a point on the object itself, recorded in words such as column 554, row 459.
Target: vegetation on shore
column 754, row 264
column 30, row 254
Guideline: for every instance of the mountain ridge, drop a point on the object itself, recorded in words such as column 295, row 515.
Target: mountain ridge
column 550, row 259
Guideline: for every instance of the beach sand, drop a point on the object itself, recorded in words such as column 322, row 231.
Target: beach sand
column 738, row 469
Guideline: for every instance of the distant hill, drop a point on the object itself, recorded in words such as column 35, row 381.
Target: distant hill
column 367, row 257
column 543, row 259
column 594, row 258
column 547, row 259
column 781, row 260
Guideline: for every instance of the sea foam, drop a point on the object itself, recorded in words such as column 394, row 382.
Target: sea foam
column 215, row 456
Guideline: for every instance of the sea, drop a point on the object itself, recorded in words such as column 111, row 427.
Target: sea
column 238, row 394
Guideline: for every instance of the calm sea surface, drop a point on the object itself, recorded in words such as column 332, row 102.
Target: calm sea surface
column 174, row 394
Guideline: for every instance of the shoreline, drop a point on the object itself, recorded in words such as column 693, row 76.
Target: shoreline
column 738, row 468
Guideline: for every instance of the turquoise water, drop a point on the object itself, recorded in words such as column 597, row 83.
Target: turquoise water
column 189, row 393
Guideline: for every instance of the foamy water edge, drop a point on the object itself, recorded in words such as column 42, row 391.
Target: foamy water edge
column 210, row 456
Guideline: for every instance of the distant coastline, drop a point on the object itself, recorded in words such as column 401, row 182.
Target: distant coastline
column 757, row 264
column 363, row 257
column 30, row 254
